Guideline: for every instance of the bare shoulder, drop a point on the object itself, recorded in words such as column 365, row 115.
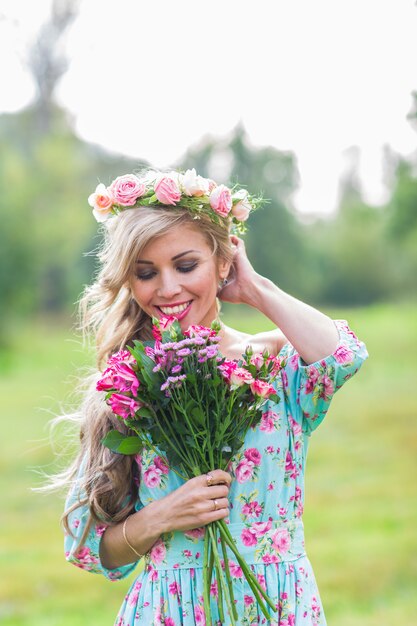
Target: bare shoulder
column 235, row 346
column 272, row 340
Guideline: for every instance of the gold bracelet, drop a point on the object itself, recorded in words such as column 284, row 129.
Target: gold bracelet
column 140, row 556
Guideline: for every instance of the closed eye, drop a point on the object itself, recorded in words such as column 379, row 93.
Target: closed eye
column 183, row 269
column 146, row 276
column 186, row 268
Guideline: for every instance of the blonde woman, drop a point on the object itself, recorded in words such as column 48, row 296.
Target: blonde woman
column 170, row 250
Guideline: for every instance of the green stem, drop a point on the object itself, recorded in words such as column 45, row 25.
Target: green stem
column 249, row 575
column 228, row 577
column 170, row 441
column 220, row 579
column 206, row 579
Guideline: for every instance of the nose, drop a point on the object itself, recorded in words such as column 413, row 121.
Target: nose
column 169, row 286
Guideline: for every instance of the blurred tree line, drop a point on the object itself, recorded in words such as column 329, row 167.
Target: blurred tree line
column 359, row 255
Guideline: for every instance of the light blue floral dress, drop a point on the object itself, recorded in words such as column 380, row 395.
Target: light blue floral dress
column 265, row 519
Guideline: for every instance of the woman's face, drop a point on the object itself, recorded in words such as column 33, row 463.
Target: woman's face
column 177, row 274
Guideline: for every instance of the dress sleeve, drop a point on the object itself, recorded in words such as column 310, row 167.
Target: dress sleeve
column 87, row 555
column 309, row 389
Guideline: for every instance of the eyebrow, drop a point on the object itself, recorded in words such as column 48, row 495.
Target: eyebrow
column 174, row 258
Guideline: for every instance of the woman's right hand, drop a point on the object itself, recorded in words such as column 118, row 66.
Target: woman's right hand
column 196, row 503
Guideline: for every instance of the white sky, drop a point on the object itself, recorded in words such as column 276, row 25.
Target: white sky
column 315, row 77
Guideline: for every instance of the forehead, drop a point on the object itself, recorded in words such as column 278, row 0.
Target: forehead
column 176, row 240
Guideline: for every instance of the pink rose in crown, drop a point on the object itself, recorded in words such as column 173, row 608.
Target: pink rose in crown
column 167, row 190
column 127, row 189
column 101, row 201
column 221, row 200
column 242, row 208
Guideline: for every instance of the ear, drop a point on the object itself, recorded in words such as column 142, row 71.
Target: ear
column 223, row 268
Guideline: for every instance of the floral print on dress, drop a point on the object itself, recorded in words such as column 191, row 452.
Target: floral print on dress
column 267, row 500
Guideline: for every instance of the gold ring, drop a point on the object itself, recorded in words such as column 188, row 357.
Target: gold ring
column 210, row 479
column 215, row 505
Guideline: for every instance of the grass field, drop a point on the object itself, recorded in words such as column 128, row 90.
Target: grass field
column 361, row 506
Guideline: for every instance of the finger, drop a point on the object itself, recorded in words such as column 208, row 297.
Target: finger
column 216, row 477
column 216, row 504
column 217, row 491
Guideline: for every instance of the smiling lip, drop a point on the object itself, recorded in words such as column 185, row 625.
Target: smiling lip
column 180, row 314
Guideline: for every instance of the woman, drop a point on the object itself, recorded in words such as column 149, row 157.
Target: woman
column 169, row 251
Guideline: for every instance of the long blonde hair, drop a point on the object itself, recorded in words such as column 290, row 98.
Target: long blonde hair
column 113, row 318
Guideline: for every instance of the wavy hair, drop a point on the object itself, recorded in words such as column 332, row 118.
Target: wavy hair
column 112, row 318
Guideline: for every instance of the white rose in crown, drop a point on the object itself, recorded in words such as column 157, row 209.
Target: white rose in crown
column 193, row 184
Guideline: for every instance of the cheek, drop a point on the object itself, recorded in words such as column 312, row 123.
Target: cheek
column 141, row 293
column 207, row 281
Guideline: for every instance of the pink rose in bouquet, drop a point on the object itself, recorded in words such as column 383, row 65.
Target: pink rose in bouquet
column 123, row 405
column 262, row 388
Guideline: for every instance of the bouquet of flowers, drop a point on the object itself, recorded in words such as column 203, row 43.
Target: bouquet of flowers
column 181, row 398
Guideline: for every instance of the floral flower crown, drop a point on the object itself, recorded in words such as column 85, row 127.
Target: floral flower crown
column 224, row 206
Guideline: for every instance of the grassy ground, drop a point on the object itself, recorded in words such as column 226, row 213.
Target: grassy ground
column 361, row 506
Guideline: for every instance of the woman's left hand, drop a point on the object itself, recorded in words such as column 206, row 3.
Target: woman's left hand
column 241, row 277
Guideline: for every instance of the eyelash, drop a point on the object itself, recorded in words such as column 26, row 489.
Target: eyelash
column 183, row 269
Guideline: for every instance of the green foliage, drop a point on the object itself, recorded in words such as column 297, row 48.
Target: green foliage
column 362, row 254
column 47, row 228
column 361, row 505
